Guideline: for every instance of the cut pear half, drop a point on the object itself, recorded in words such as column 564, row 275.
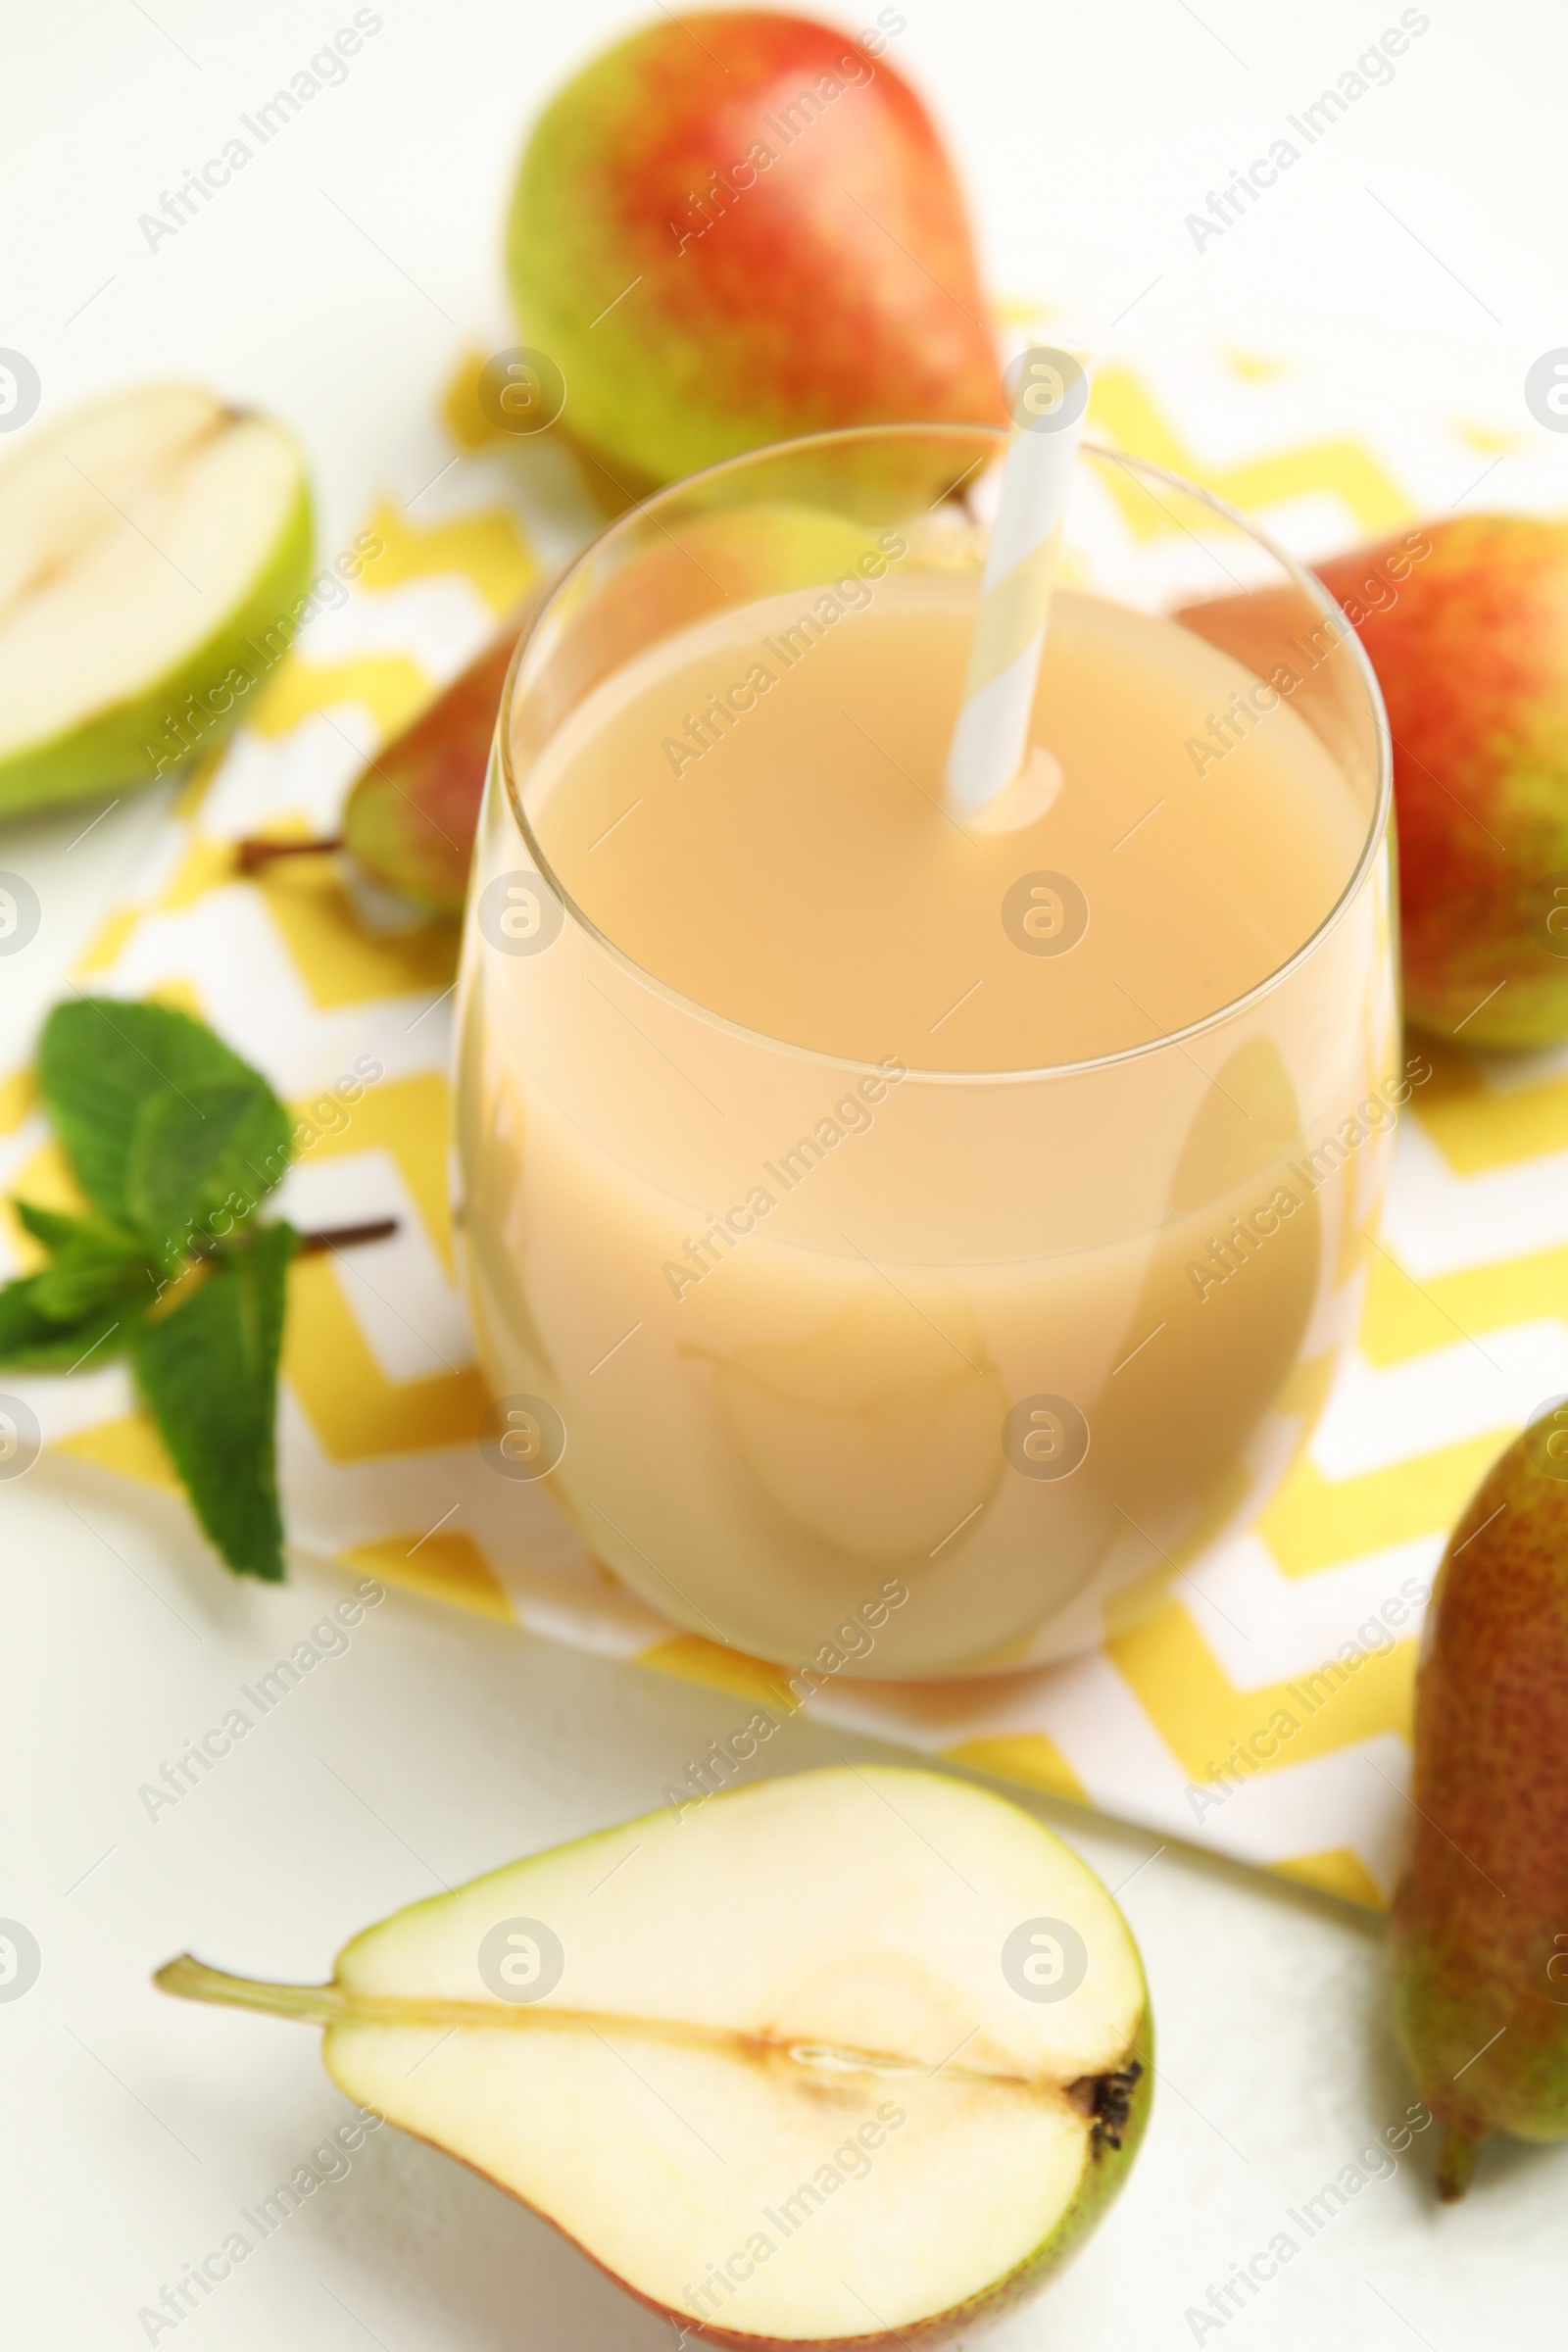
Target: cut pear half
column 850, row 2057
column 151, row 546
column 881, row 1434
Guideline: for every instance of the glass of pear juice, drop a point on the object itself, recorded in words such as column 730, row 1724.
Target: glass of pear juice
column 902, row 1241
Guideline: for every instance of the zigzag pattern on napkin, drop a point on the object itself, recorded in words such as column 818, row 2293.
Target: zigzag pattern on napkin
column 1460, row 1338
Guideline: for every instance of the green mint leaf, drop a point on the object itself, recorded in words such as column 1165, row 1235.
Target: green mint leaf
column 51, row 1226
column 97, row 1283
column 207, row 1373
column 32, row 1341
column 93, row 1266
column 173, row 1139
column 200, row 1160
column 128, row 1084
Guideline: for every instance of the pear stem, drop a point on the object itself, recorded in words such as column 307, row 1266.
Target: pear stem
column 253, row 855
column 191, row 1979
column 1457, row 2162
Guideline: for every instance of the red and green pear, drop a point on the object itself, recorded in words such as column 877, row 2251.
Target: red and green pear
column 740, row 227
column 1470, row 645
column 1477, row 1935
column 773, row 206
column 414, row 809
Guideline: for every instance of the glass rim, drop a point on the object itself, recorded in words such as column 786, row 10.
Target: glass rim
column 845, row 436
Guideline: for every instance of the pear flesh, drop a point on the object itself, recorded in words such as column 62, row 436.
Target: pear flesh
column 819, row 2061
column 143, row 541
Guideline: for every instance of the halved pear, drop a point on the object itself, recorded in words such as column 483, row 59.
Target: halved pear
column 881, row 1433
column 852, row 2057
column 153, row 546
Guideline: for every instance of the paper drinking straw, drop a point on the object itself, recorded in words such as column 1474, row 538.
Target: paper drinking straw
column 1047, row 392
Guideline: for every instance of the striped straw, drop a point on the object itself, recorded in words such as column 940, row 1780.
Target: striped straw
column 1047, row 392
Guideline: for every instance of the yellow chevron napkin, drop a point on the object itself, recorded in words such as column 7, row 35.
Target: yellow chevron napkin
column 1264, row 1712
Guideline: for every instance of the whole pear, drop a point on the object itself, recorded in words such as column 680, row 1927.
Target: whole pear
column 1466, row 625
column 1479, row 1930
column 743, row 230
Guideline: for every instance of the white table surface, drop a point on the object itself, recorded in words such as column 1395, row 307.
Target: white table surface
column 440, row 1745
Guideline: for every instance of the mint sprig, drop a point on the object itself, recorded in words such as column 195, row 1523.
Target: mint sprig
column 175, row 1143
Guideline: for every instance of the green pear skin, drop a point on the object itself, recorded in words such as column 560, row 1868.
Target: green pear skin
column 1479, row 1928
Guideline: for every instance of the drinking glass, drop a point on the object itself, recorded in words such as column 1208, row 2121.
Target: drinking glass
column 1002, row 1361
